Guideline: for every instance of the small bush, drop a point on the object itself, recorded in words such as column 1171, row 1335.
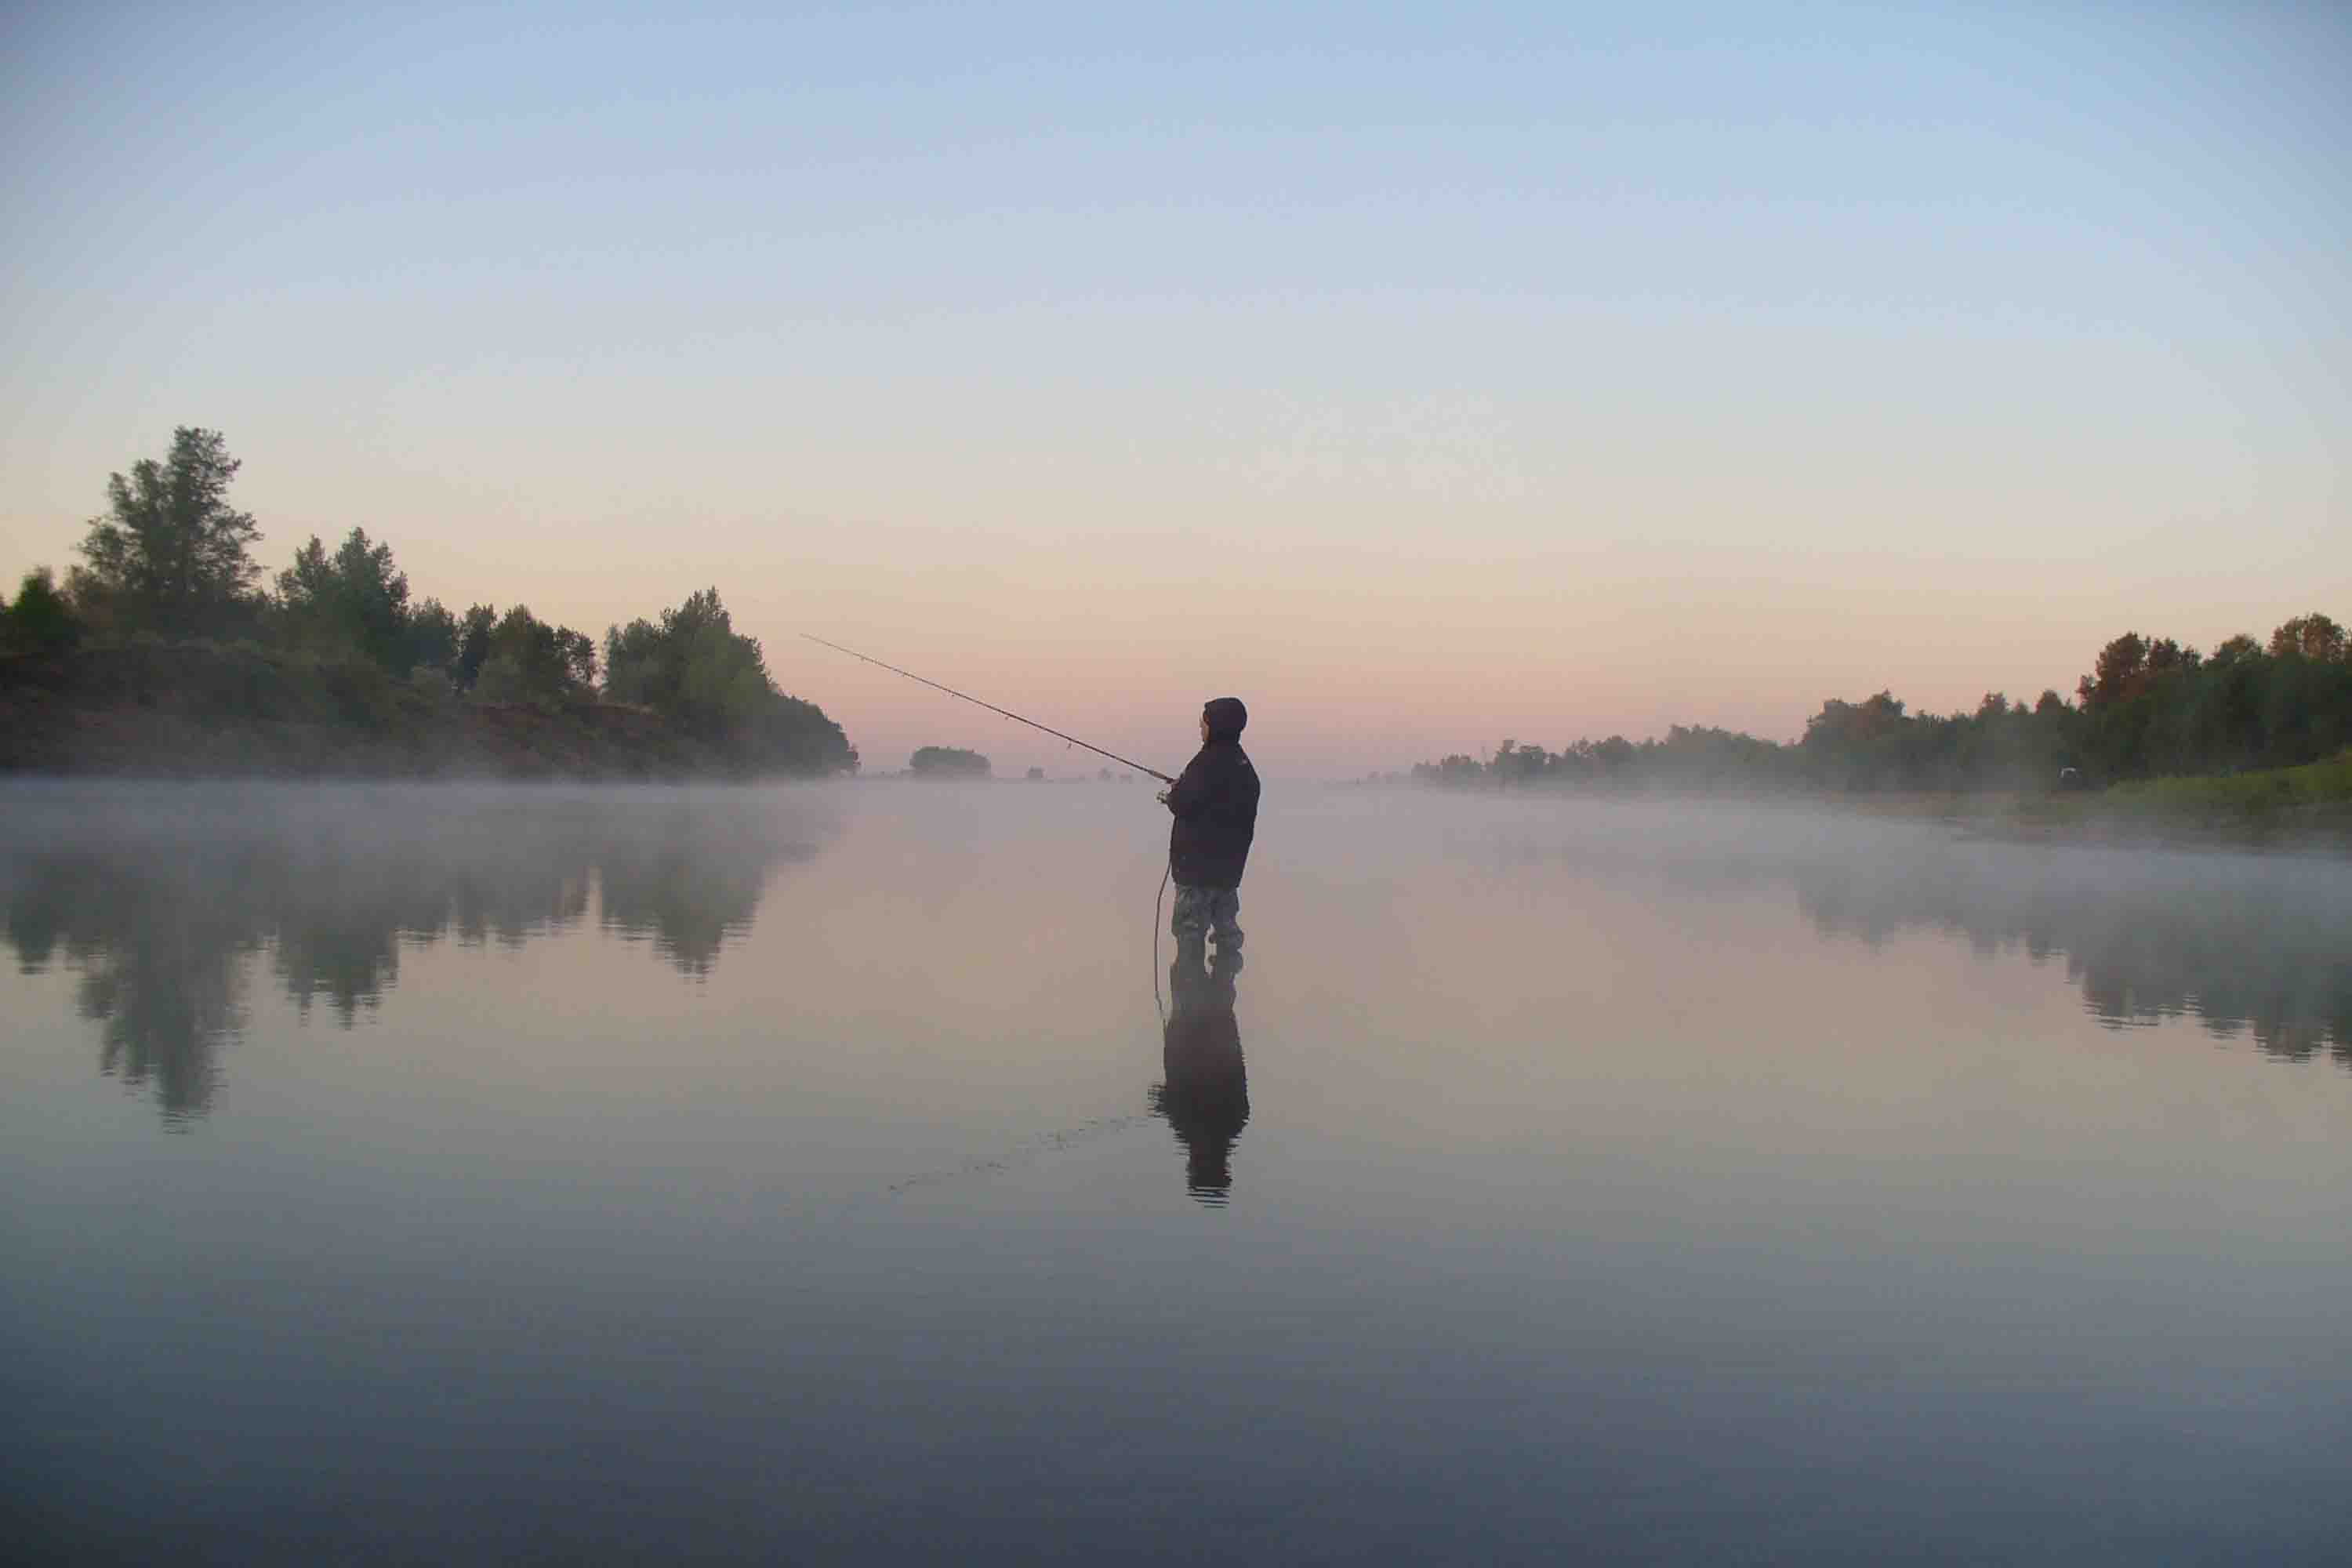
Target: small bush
column 40, row 621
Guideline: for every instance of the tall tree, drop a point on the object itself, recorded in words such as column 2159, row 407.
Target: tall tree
column 695, row 668
column 433, row 637
column 2314, row 637
column 170, row 553
column 530, row 660
column 355, row 596
column 2117, row 675
column 474, row 643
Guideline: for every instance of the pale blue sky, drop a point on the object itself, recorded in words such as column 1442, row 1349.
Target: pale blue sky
column 1340, row 355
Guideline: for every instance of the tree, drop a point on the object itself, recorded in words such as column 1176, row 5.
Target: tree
column 1516, row 765
column 948, row 763
column 355, row 598
column 433, row 637
column 40, row 621
column 170, row 554
column 2116, row 675
column 1452, row 771
column 1867, row 745
column 2234, row 650
column 530, row 660
column 694, row 668
column 2313, row 637
column 474, row 644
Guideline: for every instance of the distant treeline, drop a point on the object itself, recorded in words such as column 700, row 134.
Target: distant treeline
column 170, row 561
column 2148, row 709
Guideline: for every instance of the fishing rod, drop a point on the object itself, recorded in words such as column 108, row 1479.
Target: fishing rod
column 993, row 708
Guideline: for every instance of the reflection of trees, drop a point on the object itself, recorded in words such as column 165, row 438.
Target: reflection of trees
column 345, row 904
column 159, row 958
column 689, row 885
column 2241, row 944
column 2244, row 943
column 1206, row 1092
column 159, row 912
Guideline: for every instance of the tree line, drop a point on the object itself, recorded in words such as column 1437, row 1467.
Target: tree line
column 170, row 558
column 2148, row 708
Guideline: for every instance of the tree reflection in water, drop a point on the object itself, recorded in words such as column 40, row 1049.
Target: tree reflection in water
column 1206, row 1092
column 2241, row 944
column 160, row 955
column 690, row 886
column 159, row 895
column 2244, row 943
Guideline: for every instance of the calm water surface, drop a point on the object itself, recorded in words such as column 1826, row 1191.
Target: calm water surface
column 492, row 1175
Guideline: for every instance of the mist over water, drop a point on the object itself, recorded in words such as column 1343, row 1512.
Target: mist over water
column 736, row 1173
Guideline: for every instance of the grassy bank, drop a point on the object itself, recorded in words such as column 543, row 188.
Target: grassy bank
column 2325, row 783
column 2311, row 804
column 197, row 709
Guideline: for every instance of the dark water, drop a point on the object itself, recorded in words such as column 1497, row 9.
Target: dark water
column 460, row 1175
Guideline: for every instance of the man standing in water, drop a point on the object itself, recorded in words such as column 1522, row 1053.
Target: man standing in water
column 1215, row 806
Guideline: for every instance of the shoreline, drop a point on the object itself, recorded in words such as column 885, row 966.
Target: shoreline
column 196, row 711
column 2100, row 819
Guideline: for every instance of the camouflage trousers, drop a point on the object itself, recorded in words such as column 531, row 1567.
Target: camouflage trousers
column 1204, row 912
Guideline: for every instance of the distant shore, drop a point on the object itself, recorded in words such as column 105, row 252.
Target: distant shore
column 2316, row 826
column 2309, row 806
column 2115, row 818
column 2305, row 808
column 199, row 709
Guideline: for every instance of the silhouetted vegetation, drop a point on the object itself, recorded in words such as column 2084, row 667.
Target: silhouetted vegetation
column 694, row 668
column 2149, row 709
column 170, row 554
column 948, row 763
column 165, row 615
column 40, row 621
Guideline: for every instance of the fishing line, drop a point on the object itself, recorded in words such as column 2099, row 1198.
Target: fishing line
column 1049, row 729
column 991, row 707
column 1155, row 947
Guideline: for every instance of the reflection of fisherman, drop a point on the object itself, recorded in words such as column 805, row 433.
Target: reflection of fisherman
column 1215, row 807
column 1206, row 1095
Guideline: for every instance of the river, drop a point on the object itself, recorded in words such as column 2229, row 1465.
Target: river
column 506, row 1173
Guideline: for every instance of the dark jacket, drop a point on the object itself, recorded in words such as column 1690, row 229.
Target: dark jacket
column 1215, row 806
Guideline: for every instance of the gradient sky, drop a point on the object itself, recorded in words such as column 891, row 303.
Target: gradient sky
column 1424, row 376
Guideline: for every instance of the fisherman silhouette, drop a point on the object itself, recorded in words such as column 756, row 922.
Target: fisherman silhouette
column 1214, row 803
column 1205, row 1095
